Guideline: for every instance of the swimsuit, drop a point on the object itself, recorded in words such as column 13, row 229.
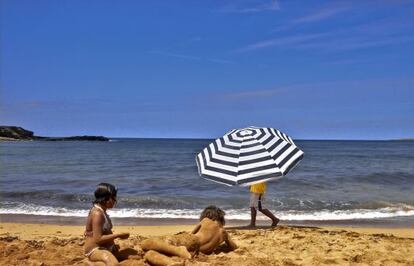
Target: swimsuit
column 90, row 252
column 106, row 229
column 110, row 249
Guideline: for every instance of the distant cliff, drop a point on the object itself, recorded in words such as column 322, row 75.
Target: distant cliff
column 16, row 133
column 19, row 133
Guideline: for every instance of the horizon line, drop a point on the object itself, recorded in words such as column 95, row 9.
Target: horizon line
column 333, row 139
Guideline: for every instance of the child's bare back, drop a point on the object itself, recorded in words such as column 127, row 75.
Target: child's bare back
column 210, row 234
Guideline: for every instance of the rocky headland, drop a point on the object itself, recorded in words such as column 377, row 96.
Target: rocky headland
column 13, row 133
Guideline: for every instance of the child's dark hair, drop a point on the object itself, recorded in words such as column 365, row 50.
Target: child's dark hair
column 104, row 192
column 214, row 213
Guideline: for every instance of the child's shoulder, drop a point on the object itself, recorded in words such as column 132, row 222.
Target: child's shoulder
column 207, row 221
column 96, row 213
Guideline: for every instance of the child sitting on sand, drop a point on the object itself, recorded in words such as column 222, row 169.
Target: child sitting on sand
column 206, row 237
column 257, row 192
column 99, row 242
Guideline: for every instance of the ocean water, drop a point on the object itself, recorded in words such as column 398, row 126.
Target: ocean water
column 158, row 178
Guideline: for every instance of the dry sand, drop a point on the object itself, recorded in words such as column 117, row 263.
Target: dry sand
column 41, row 244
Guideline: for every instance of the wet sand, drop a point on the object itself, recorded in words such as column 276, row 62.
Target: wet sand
column 48, row 244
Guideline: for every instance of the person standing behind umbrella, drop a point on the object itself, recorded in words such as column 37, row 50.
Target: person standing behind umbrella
column 257, row 192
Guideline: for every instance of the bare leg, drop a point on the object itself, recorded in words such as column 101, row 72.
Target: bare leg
column 266, row 212
column 253, row 214
column 158, row 259
column 104, row 256
column 165, row 248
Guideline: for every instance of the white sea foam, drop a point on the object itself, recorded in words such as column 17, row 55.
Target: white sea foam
column 239, row 214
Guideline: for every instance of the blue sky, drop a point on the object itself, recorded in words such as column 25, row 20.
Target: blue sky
column 196, row 69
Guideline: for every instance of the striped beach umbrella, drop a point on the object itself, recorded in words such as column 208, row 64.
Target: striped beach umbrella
column 248, row 156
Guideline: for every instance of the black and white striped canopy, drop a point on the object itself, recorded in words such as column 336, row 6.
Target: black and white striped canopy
column 248, row 156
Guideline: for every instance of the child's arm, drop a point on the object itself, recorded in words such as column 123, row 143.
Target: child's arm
column 195, row 230
column 99, row 238
column 229, row 242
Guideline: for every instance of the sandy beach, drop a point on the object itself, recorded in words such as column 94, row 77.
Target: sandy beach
column 45, row 244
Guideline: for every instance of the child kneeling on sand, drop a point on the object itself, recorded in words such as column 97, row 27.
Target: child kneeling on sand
column 206, row 237
column 99, row 242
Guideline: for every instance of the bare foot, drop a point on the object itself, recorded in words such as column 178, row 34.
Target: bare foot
column 275, row 222
column 183, row 252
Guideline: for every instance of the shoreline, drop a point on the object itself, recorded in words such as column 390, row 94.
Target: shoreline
column 396, row 222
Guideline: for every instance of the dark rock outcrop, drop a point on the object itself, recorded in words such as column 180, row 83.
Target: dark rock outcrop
column 15, row 133
column 18, row 133
column 75, row 138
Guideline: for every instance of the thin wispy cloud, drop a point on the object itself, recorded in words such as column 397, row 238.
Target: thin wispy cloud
column 380, row 33
column 377, row 43
column 355, row 43
column 394, row 24
column 321, row 14
column 347, row 61
column 270, row 5
column 324, row 13
column 330, row 89
column 333, row 10
column 192, row 58
column 282, row 41
column 251, row 94
column 386, row 32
